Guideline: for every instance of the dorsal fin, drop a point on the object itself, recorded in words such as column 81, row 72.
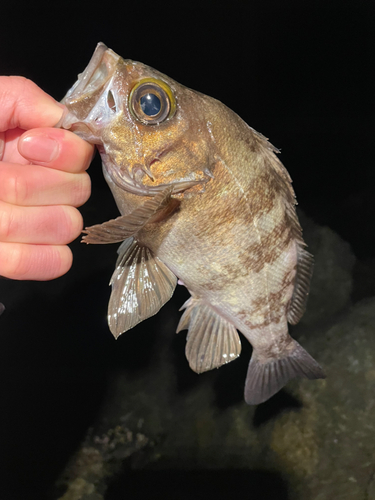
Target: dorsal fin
column 305, row 260
column 305, row 264
column 211, row 340
column 141, row 285
column 284, row 182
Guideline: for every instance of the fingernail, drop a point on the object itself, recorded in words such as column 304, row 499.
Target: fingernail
column 39, row 148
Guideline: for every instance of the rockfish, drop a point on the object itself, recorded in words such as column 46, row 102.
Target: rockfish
column 204, row 200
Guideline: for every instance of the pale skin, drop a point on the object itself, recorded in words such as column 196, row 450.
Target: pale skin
column 43, row 180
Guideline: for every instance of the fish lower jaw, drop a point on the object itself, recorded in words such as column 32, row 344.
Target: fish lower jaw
column 128, row 182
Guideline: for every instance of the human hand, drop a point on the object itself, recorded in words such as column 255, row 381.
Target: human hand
column 42, row 180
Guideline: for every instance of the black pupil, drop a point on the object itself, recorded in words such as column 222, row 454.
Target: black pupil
column 150, row 104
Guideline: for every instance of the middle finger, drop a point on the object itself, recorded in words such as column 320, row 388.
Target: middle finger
column 30, row 185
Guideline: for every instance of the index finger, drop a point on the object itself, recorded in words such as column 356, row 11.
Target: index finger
column 23, row 104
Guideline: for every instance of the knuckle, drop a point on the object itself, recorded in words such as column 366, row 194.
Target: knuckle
column 81, row 189
column 15, row 92
column 24, row 88
column 6, row 222
column 20, row 87
column 17, row 189
column 89, row 155
column 71, row 224
column 18, row 263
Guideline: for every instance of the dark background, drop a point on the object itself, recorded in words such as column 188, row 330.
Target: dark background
column 302, row 73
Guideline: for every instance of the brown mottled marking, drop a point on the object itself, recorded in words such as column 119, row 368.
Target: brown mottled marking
column 283, row 345
column 258, row 303
column 268, row 249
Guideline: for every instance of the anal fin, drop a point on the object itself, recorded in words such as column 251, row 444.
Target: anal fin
column 266, row 377
column 125, row 226
column 141, row 285
column 211, row 340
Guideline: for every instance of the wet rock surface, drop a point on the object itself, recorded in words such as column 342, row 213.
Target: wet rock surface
column 327, row 447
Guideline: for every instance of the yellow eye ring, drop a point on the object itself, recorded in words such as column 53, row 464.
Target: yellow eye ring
column 151, row 101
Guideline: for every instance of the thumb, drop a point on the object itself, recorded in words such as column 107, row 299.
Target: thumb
column 24, row 105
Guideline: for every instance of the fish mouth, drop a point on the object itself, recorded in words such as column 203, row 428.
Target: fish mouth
column 98, row 71
column 84, row 79
column 86, row 109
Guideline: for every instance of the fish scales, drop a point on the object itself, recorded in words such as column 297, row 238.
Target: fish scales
column 203, row 199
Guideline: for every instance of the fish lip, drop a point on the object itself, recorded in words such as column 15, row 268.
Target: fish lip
column 85, row 87
column 84, row 78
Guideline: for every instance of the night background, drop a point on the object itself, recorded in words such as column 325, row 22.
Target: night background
column 302, row 74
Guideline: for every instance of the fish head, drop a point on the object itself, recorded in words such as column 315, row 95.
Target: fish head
column 151, row 131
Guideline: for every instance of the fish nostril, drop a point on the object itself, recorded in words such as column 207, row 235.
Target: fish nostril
column 111, row 101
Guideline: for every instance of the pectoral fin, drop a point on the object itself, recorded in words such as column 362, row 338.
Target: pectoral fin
column 116, row 230
column 141, row 285
column 211, row 340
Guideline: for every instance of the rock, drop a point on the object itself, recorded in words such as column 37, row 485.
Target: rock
column 327, row 449
column 97, row 461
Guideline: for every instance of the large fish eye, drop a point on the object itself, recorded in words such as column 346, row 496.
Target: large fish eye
column 151, row 101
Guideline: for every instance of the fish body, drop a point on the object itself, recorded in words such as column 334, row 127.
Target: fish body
column 203, row 199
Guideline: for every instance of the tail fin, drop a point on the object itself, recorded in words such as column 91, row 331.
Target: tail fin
column 264, row 379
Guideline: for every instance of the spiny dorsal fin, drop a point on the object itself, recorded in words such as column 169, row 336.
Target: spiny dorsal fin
column 267, row 151
column 211, row 340
column 115, row 230
column 141, row 285
column 266, row 378
column 305, row 264
column 305, row 260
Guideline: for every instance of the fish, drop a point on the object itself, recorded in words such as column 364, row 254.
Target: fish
column 204, row 202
